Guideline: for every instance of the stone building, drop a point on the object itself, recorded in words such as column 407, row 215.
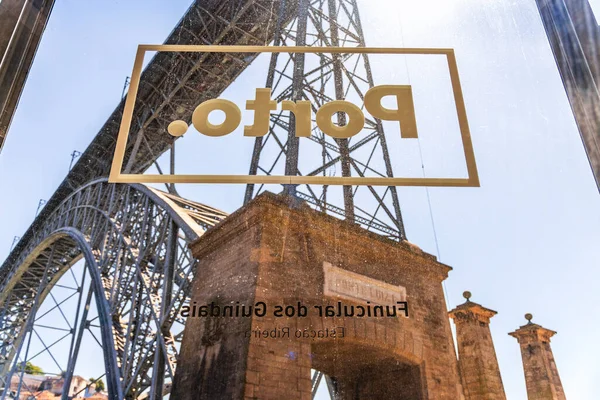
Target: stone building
column 42, row 387
column 30, row 384
column 282, row 289
column 55, row 385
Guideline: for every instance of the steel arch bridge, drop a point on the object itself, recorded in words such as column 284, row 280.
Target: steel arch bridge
column 133, row 240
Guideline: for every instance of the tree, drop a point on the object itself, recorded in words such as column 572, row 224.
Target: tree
column 33, row 369
column 99, row 384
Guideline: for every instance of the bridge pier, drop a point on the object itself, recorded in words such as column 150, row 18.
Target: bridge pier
column 273, row 253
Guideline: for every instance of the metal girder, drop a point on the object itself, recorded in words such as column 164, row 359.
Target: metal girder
column 326, row 23
column 141, row 272
column 171, row 86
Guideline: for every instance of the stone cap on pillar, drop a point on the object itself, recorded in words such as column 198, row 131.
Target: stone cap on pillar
column 471, row 312
column 531, row 332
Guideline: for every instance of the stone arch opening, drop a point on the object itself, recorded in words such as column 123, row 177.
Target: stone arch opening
column 384, row 374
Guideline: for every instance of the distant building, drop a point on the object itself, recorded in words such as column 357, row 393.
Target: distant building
column 78, row 387
column 44, row 395
column 42, row 387
column 31, row 384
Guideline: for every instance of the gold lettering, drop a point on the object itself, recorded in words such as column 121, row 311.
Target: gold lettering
column 404, row 112
column 355, row 125
column 233, row 117
column 301, row 111
column 262, row 106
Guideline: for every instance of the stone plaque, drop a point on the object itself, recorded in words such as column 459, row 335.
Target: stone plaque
column 352, row 286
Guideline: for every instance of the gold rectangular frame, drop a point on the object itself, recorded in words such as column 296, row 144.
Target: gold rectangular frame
column 116, row 176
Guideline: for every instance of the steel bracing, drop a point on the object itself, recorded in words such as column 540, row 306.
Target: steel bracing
column 130, row 241
column 134, row 242
column 324, row 78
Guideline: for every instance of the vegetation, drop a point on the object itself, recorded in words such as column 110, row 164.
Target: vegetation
column 33, row 369
column 99, row 384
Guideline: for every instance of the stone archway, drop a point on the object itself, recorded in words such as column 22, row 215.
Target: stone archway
column 275, row 253
column 381, row 375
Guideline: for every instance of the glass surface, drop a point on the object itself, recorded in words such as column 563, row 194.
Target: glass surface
column 525, row 240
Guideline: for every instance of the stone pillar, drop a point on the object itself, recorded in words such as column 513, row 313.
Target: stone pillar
column 477, row 360
column 541, row 374
column 276, row 252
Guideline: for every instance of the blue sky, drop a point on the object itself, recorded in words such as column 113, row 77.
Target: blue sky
column 525, row 241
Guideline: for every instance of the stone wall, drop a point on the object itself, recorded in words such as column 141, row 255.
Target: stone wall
column 274, row 251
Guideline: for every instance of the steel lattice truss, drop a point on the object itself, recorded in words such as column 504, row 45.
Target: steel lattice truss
column 132, row 240
column 171, row 85
column 327, row 77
